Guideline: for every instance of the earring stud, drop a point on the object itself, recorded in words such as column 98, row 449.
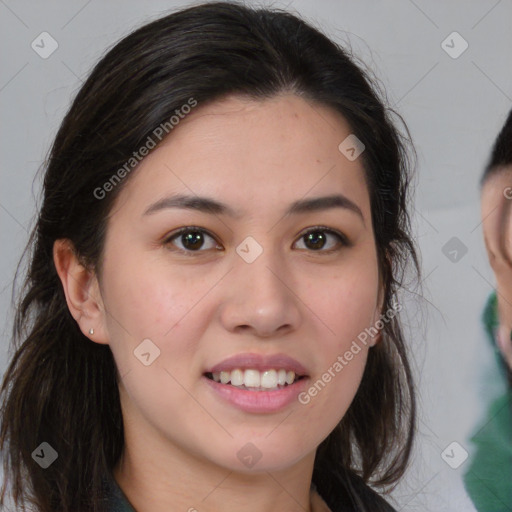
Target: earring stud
column 91, row 331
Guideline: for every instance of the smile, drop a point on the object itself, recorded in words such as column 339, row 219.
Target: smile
column 255, row 380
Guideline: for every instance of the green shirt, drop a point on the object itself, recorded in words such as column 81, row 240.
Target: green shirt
column 488, row 479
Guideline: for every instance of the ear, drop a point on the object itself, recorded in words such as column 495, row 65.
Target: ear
column 82, row 291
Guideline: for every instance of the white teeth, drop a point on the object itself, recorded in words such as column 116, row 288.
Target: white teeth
column 237, row 377
column 269, row 379
column 250, row 378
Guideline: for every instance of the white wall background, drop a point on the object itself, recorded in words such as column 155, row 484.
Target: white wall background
column 453, row 107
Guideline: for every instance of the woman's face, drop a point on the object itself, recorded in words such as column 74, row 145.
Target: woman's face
column 247, row 283
column 497, row 226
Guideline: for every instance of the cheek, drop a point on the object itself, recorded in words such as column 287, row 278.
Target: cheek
column 347, row 308
column 330, row 393
column 346, row 304
column 150, row 295
column 155, row 304
column 146, row 300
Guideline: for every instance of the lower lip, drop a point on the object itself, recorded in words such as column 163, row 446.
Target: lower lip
column 258, row 401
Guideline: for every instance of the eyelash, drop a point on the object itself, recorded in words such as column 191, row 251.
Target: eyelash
column 342, row 239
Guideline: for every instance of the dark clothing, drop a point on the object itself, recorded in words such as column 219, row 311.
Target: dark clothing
column 118, row 502
column 115, row 497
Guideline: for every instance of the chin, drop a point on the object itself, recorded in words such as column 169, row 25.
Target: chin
column 252, row 457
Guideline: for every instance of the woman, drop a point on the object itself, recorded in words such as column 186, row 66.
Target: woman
column 489, row 477
column 210, row 313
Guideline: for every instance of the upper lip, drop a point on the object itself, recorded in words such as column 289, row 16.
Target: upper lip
column 259, row 362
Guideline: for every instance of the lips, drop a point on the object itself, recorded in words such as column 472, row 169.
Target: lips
column 258, row 362
column 258, row 391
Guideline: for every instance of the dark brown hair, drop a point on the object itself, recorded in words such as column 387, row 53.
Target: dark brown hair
column 60, row 387
column 501, row 154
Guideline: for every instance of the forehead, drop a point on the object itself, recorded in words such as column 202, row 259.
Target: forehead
column 253, row 153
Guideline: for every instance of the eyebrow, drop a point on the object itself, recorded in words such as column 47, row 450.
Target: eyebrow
column 212, row 206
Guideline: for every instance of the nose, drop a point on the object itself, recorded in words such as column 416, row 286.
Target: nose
column 261, row 298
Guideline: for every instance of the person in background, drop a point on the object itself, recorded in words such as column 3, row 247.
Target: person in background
column 489, row 477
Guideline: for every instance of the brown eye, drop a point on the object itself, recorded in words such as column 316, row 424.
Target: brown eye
column 315, row 239
column 318, row 238
column 191, row 239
